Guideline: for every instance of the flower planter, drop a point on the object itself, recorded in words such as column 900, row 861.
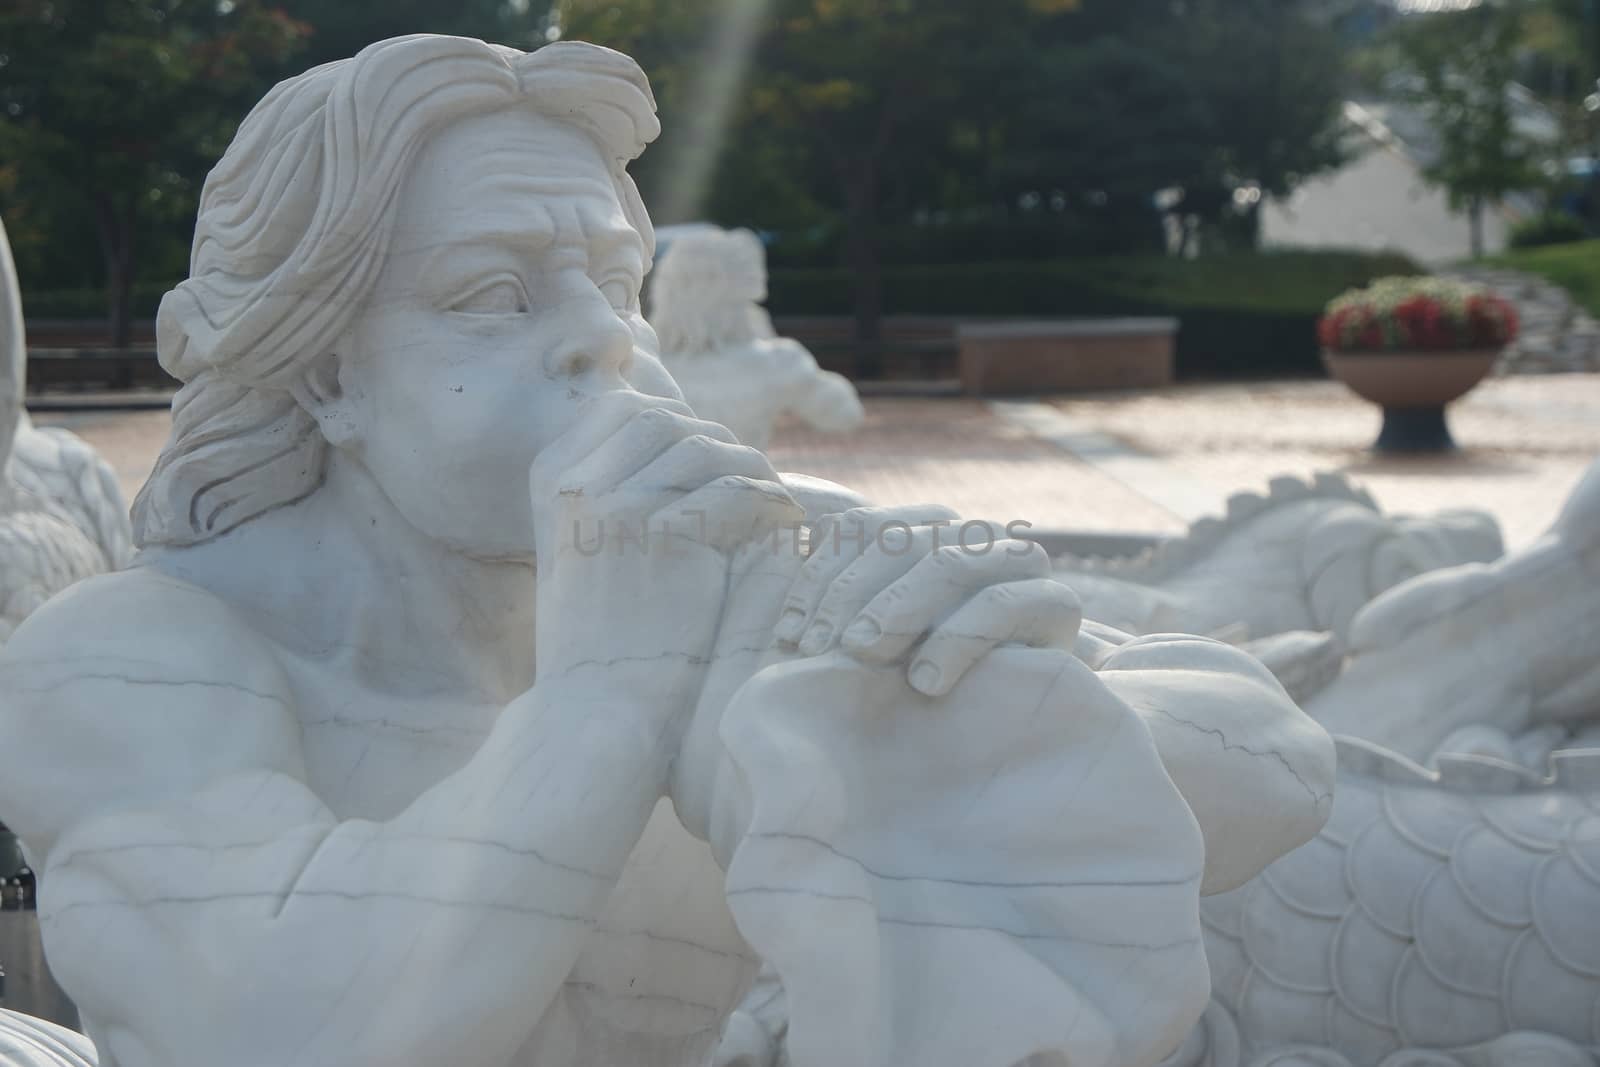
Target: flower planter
column 1412, row 345
column 1412, row 388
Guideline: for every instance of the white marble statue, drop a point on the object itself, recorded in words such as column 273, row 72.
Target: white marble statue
column 1441, row 919
column 718, row 341
column 1448, row 915
column 1512, row 645
column 471, row 702
column 25, row 1040
column 62, row 517
column 1305, row 556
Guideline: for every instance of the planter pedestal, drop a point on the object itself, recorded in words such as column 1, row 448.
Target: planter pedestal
column 1414, row 430
column 1412, row 388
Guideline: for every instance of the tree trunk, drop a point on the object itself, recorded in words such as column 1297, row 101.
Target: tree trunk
column 1251, row 228
column 1475, row 218
column 861, row 248
column 116, row 245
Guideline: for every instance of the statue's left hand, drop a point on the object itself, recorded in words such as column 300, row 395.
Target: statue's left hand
column 884, row 586
column 1003, row 874
column 887, row 585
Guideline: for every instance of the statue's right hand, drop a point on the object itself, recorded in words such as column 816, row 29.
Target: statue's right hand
column 636, row 512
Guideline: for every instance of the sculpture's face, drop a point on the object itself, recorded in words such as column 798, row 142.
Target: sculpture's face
column 509, row 301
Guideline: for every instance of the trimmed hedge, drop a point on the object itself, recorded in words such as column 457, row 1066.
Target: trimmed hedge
column 90, row 303
column 1241, row 315
column 1549, row 228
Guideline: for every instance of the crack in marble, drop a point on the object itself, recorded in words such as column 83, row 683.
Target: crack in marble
column 175, row 683
column 1228, row 746
column 285, row 899
column 1020, row 935
column 969, row 883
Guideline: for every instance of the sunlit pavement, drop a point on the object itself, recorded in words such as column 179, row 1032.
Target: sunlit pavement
column 1525, row 442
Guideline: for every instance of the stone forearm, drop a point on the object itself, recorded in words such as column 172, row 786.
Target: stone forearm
column 1256, row 770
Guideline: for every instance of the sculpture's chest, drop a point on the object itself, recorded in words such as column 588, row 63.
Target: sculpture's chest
column 369, row 754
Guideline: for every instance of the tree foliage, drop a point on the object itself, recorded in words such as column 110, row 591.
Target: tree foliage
column 112, row 112
column 860, row 130
column 114, row 109
column 1458, row 69
column 865, row 119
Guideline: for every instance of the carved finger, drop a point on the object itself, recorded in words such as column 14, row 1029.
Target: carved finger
column 692, row 462
column 1040, row 613
column 890, row 557
column 728, row 512
column 897, row 618
column 836, row 542
column 640, row 443
column 605, row 416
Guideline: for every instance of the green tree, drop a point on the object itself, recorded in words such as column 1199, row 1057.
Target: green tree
column 1457, row 68
column 1563, row 38
column 848, row 108
column 338, row 29
column 1061, row 117
column 113, row 110
column 1271, row 78
column 1099, row 129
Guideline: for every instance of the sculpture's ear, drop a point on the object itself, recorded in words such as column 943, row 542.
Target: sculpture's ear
column 319, row 391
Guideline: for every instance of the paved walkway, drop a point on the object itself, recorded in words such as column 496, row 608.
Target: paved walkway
column 1525, row 442
column 1143, row 461
column 1152, row 461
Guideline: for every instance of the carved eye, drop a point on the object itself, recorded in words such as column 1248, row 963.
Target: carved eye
column 619, row 291
column 502, row 296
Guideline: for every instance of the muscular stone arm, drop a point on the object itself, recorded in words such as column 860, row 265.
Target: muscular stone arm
column 825, row 400
column 1256, row 770
column 159, row 779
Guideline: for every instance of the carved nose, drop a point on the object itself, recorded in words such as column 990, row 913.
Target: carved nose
column 593, row 342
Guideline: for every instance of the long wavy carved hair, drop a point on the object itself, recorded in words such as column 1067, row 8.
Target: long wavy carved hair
column 293, row 229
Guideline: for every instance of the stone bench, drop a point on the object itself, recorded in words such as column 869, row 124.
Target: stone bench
column 1066, row 356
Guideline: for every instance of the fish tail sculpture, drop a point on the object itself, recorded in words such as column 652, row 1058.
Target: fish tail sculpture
column 1304, row 556
column 1447, row 915
column 1446, row 918
column 1513, row 644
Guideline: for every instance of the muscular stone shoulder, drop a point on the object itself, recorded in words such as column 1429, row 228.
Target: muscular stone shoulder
column 133, row 688
column 144, row 615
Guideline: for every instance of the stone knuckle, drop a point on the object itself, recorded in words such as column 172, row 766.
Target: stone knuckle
column 893, row 601
column 1005, row 594
column 698, row 444
column 658, row 419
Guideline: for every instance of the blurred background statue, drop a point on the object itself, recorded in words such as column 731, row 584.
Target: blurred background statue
column 62, row 517
column 719, row 343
